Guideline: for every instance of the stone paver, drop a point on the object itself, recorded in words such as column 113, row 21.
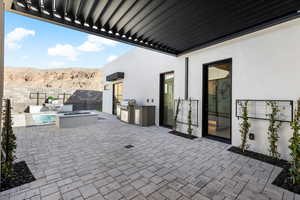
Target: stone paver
column 91, row 163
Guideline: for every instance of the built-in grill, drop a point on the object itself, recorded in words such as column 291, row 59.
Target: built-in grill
column 127, row 102
column 125, row 110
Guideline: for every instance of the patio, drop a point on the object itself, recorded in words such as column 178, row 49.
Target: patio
column 92, row 163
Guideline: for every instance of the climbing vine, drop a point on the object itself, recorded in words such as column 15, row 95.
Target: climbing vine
column 8, row 142
column 244, row 126
column 190, row 130
column 176, row 114
column 273, row 129
column 295, row 147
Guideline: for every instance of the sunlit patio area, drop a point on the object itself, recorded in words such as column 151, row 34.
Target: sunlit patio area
column 92, row 162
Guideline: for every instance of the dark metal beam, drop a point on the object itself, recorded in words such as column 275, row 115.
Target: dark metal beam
column 119, row 15
column 111, row 10
column 138, row 7
column 186, row 91
column 153, row 15
column 147, row 10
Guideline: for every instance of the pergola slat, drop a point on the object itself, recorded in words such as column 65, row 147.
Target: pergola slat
column 169, row 26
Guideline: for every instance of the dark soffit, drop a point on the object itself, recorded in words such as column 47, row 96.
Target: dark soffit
column 171, row 26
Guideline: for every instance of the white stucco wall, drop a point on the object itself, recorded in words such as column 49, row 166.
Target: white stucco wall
column 265, row 65
column 142, row 70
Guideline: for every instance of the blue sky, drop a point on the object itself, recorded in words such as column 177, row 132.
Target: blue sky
column 33, row 43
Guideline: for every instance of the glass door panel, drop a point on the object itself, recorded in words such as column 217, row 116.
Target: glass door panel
column 117, row 95
column 218, row 99
column 168, row 99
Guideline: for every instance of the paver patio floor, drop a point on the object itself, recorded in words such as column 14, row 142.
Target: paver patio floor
column 92, row 163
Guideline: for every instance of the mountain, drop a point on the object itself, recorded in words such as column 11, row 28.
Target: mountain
column 64, row 78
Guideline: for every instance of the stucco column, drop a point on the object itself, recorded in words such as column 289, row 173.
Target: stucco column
column 1, row 67
column 1, row 48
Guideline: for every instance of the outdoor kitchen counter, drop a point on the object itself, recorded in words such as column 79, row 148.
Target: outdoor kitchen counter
column 76, row 120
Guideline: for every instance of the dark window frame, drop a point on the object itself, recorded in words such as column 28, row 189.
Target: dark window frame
column 205, row 100
column 161, row 99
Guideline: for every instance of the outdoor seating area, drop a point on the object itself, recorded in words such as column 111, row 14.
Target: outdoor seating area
column 92, row 162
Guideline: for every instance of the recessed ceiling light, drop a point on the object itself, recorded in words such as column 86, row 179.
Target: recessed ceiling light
column 46, row 12
column 68, row 19
column 34, row 8
column 20, row 4
column 57, row 15
column 77, row 21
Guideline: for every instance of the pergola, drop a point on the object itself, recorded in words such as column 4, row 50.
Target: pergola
column 170, row 26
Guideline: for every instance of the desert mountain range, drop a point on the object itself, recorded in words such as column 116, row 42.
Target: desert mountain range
column 65, row 78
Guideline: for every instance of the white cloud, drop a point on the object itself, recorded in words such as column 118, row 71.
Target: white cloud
column 92, row 44
column 95, row 43
column 14, row 37
column 111, row 58
column 66, row 50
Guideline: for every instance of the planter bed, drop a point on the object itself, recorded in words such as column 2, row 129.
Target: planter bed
column 282, row 180
column 183, row 135
column 260, row 157
column 21, row 175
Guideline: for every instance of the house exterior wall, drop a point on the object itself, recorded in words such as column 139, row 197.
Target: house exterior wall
column 265, row 65
column 142, row 70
